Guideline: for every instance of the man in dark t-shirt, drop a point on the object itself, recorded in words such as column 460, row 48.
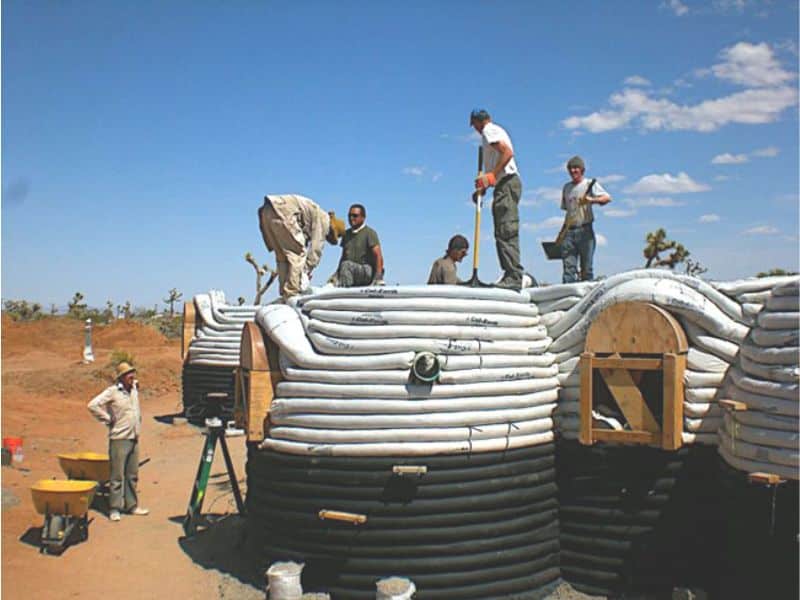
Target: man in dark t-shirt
column 362, row 260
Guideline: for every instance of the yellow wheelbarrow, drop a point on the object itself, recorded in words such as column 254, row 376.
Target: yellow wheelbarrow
column 65, row 506
column 88, row 466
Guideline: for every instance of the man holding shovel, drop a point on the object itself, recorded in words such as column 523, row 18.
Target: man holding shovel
column 502, row 174
column 117, row 407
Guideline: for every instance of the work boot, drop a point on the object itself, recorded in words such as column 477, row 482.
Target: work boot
column 114, row 515
column 139, row 511
column 510, row 283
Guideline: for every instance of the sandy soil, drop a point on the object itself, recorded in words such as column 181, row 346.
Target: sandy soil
column 45, row 389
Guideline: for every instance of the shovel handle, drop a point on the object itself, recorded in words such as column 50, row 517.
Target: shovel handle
column 476, row 198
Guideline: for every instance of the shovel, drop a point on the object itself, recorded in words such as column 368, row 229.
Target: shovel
column 477, row 199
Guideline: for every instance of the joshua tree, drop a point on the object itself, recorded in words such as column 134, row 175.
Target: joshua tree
column 260, row 272
column 174, row 296
column 76, row 308
column 124, row 310
column 657, row 243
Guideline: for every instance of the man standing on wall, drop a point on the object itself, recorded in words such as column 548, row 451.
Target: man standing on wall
column 500, row 172
column 117, row 407
column 362, row 259
column 577, row 199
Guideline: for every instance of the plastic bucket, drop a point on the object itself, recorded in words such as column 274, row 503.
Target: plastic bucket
column 14, row 446
column 283, row 581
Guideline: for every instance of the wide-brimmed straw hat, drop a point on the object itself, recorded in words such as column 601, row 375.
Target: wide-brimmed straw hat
column 123, row 369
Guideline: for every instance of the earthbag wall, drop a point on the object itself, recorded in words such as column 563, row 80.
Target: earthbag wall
column 759, row 543
column 474, row 526
column 638, row 521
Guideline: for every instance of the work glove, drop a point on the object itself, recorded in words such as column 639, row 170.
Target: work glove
column 378, row 280
column 485, row 181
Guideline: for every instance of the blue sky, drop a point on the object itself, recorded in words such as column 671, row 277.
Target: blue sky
column 138, row 139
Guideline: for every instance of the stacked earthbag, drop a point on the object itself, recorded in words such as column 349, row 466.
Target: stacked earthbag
column 213, row 355
column 456, row 478
column 760, row 542
column 638, row 520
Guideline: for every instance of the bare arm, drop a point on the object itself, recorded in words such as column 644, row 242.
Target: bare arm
column 376, row 250
column 506, row 154
column 601, row 199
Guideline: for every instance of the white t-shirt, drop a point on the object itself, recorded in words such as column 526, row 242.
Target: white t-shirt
column 494, row 133
column 578, row 214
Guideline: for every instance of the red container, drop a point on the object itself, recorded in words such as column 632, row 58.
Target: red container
column 12, row 443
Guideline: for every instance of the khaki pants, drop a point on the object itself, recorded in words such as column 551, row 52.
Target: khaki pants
column 288, row 243
column 124, row 459
column 505, row 212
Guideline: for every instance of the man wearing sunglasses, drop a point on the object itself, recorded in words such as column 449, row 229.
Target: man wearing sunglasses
column 362, row 261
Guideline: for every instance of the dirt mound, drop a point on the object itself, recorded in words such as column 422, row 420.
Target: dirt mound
column 123, row 334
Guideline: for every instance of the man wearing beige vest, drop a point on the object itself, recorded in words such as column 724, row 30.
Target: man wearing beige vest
column 117, row 407
column 294, row 228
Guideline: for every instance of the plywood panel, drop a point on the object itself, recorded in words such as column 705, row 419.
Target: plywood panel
column 636, row 328
column 630, row 400
column 189, row 328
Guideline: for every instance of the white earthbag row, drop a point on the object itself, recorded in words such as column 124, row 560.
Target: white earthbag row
column 346, row 357
column 766, row 377
column 218, row 336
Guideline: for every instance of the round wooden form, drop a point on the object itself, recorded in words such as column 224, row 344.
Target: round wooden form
column 636, row 328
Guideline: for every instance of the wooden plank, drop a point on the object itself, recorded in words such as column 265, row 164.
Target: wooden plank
column 639, row 364
column 260, row 393
column 629, row 437
column 238, row 399
column 765, row 478
column 189, row 328
column 733, row 405
column 629, row 399
column 585, row 436
column 672, row 423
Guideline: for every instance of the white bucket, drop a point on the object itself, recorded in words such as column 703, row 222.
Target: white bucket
column 283, row 581
column 395, row 588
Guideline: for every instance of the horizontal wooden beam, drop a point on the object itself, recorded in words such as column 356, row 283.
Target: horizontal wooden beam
column 765, row 478
column 734, row 405
column 630, row 437
column 638, row 364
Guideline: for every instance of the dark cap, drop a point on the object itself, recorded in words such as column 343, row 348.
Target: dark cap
column 576, row 161
column 478, row 114
column 457, row 242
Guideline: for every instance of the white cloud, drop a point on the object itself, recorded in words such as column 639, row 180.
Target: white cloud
column 729, row 159
column 768, row 152
column 654, row 202
column 667, row 184
column 751, row 65
column 618, row 213
column 541, row 195
column 420, row 172
column 600, row 239
column 709, row 218
column 613, row 178
column 549, row 223
column 637, row 80
column 762, row 230
column 677, row 7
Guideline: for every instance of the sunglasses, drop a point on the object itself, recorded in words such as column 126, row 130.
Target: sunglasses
column 354, row 215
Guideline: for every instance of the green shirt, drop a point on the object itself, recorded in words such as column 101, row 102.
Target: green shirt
column 357, row 247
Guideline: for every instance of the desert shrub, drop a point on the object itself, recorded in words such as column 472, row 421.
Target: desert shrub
column 118, row 356
column 170, row 327
column 22, row 310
